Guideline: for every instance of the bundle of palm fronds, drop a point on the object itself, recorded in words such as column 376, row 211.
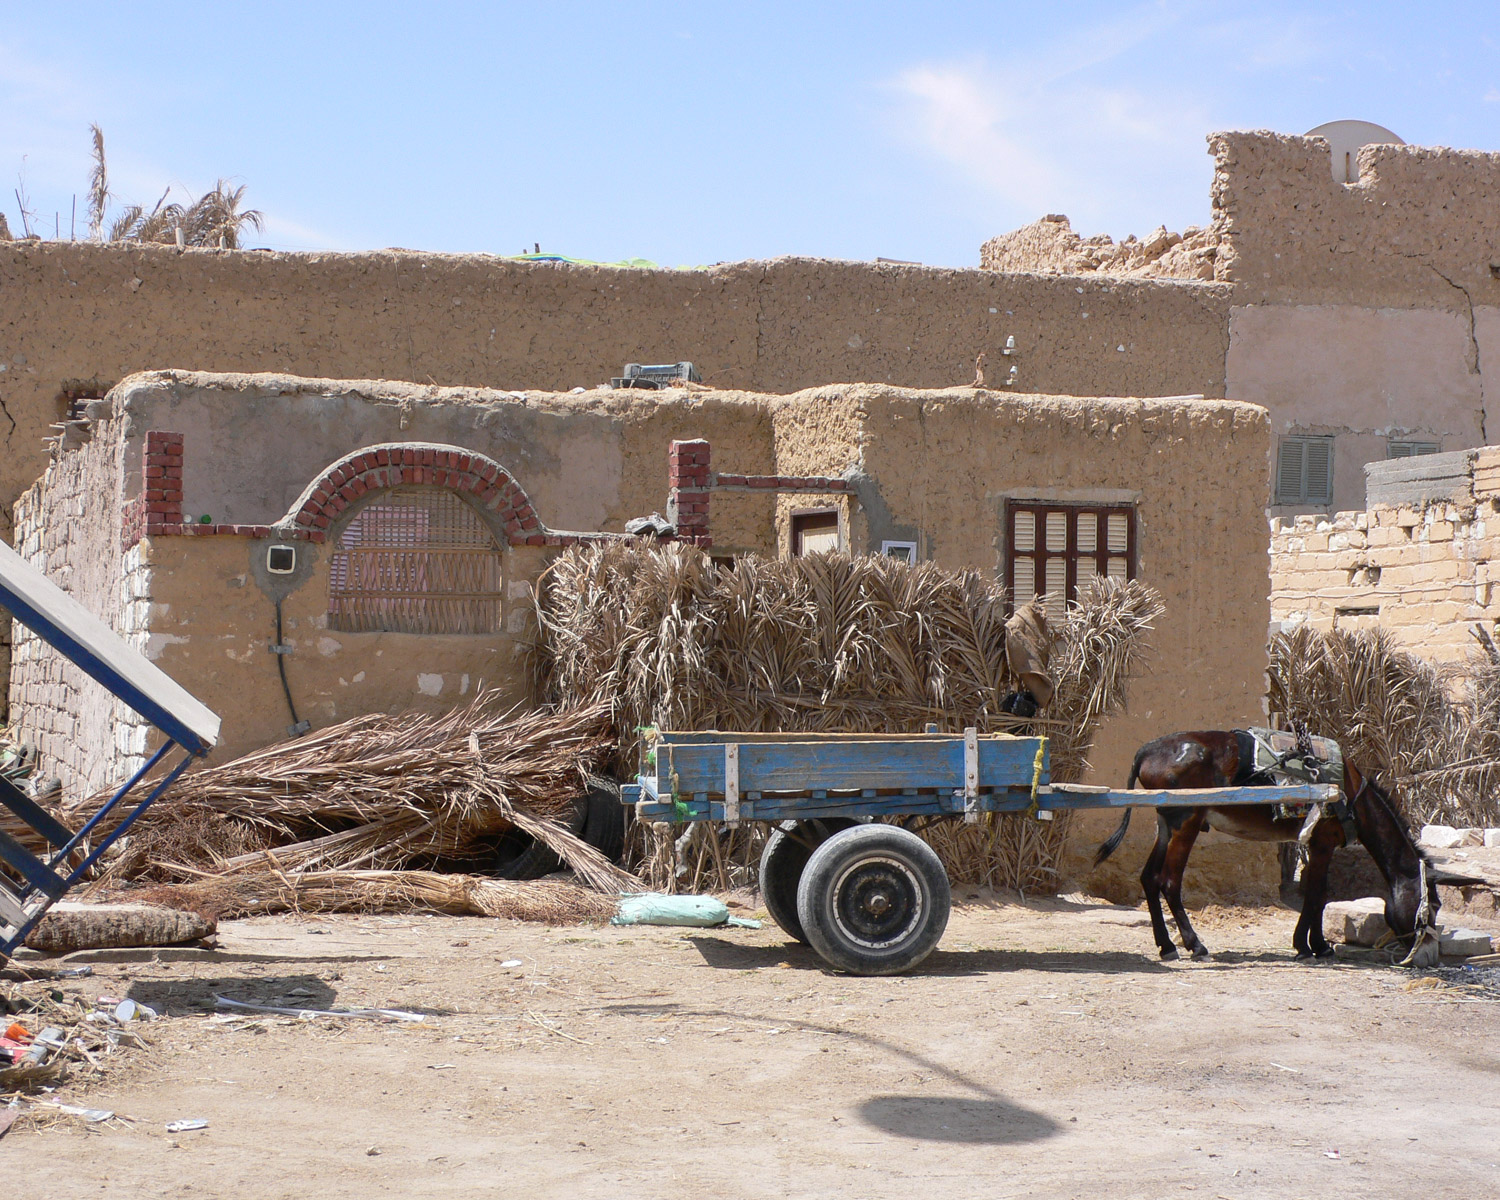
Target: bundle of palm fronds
column 382, row 791
column 666, row 638
column 1433, row 733
column 262, row 888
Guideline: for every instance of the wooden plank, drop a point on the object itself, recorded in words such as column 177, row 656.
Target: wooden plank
column 856, row 765
column 1305, row 793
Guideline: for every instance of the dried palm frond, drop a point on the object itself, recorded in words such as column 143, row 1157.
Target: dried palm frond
column 265, row 890
column 99, row 193
column 823, row 643
column 1432, row 733
column 385, row 791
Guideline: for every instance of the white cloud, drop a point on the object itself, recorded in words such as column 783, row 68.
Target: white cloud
column 1492, row 96
column 1055, row 143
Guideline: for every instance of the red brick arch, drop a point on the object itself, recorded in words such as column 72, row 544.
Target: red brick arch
column 397, row 464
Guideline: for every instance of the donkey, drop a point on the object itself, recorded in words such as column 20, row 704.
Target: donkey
column 1225, row 759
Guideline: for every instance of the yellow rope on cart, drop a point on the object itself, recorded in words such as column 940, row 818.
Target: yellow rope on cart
column 1036, row 774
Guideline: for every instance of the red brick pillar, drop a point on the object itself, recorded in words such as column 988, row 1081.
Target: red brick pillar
column 687, row 502
column 163, row 482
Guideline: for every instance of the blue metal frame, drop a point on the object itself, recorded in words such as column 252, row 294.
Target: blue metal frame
column 83, row 640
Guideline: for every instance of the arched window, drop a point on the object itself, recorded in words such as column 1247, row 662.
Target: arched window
column 415, row 560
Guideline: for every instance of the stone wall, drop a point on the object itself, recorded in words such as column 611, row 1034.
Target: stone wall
column 68, row 525
column 1427, row 570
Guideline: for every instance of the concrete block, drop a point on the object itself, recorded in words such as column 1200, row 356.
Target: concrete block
column 1462, row 943
column 1441, row 837
column 1357, row 922
column 1492, row 838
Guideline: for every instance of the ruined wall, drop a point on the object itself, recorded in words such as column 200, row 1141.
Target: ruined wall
column 1426, row 570
column 1369, row 310
column 74, row 310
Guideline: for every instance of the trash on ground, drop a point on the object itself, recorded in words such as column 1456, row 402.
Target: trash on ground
column 369, row 1014
column 186, row 1126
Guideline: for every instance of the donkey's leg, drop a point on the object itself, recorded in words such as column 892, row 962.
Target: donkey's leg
column 1308, row 940
column 1151, row 884
column 1173, row 869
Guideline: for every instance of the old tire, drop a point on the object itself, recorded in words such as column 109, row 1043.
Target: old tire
column 874, row 900
column 782, row 863
column 604, row 820
column 520, row 856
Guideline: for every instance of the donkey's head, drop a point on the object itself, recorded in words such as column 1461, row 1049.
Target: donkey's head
column 1412, row 896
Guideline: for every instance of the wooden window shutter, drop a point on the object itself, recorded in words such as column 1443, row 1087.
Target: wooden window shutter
column 1319, row 454
column 1289, row 465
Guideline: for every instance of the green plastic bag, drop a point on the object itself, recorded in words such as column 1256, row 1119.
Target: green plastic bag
column 655, row 908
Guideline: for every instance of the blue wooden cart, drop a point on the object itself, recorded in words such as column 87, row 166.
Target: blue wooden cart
column 31, row 882
column 871, row 897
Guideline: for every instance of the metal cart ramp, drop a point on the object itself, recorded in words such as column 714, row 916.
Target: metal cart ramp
column 34, row 881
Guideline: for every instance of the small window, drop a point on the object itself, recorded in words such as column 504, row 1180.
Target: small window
column 815, row 532
column 1405, row 449
column 1053, row 549
column 905, row 551
column 415, row 560
column 1304, row 470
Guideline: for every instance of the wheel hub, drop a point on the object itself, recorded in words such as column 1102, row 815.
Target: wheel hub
column 878, row 902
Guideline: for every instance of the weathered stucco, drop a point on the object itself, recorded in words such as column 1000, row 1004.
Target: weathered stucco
column 73, row 311
column 939, row 464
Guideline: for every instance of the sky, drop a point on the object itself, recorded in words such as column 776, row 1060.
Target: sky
column 696, row 133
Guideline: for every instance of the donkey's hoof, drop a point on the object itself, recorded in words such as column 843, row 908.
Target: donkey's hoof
column 1169, row 954
column 1201, row 954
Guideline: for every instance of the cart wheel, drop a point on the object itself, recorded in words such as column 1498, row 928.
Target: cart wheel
column 782, row 863
column 874, row 900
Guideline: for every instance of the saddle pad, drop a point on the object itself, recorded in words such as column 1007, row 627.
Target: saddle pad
column 1276, row 755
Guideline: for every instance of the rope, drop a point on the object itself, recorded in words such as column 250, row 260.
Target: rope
column 1036, row 774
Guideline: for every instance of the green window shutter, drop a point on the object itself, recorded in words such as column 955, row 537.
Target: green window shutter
column 1289, row 467
column 1318, row 453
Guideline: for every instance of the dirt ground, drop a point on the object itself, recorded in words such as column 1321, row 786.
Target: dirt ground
column 1042, row 1051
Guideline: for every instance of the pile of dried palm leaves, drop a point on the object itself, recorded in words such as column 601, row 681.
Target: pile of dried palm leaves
column 665, row 638
column 1431, row 732
column 325, row 822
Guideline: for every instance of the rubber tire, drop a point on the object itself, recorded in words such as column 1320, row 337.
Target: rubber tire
column 904, row 869
column 520, row 856
column 604, row 820
column 781, row 865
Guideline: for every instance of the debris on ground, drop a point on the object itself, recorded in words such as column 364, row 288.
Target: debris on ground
column 56, row 1037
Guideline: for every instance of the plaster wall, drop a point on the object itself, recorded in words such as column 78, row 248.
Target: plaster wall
column 77, row 311
column 946, row 463
column 1366, row 376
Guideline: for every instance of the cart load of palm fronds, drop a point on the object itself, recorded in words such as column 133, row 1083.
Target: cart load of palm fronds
column 1430, row 732
column 378, row 793
column 666, row 638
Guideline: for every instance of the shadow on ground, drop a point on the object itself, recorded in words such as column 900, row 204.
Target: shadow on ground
column 987, row 1122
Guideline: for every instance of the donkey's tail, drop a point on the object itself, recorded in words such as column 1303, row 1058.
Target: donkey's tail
column 1113, row 842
